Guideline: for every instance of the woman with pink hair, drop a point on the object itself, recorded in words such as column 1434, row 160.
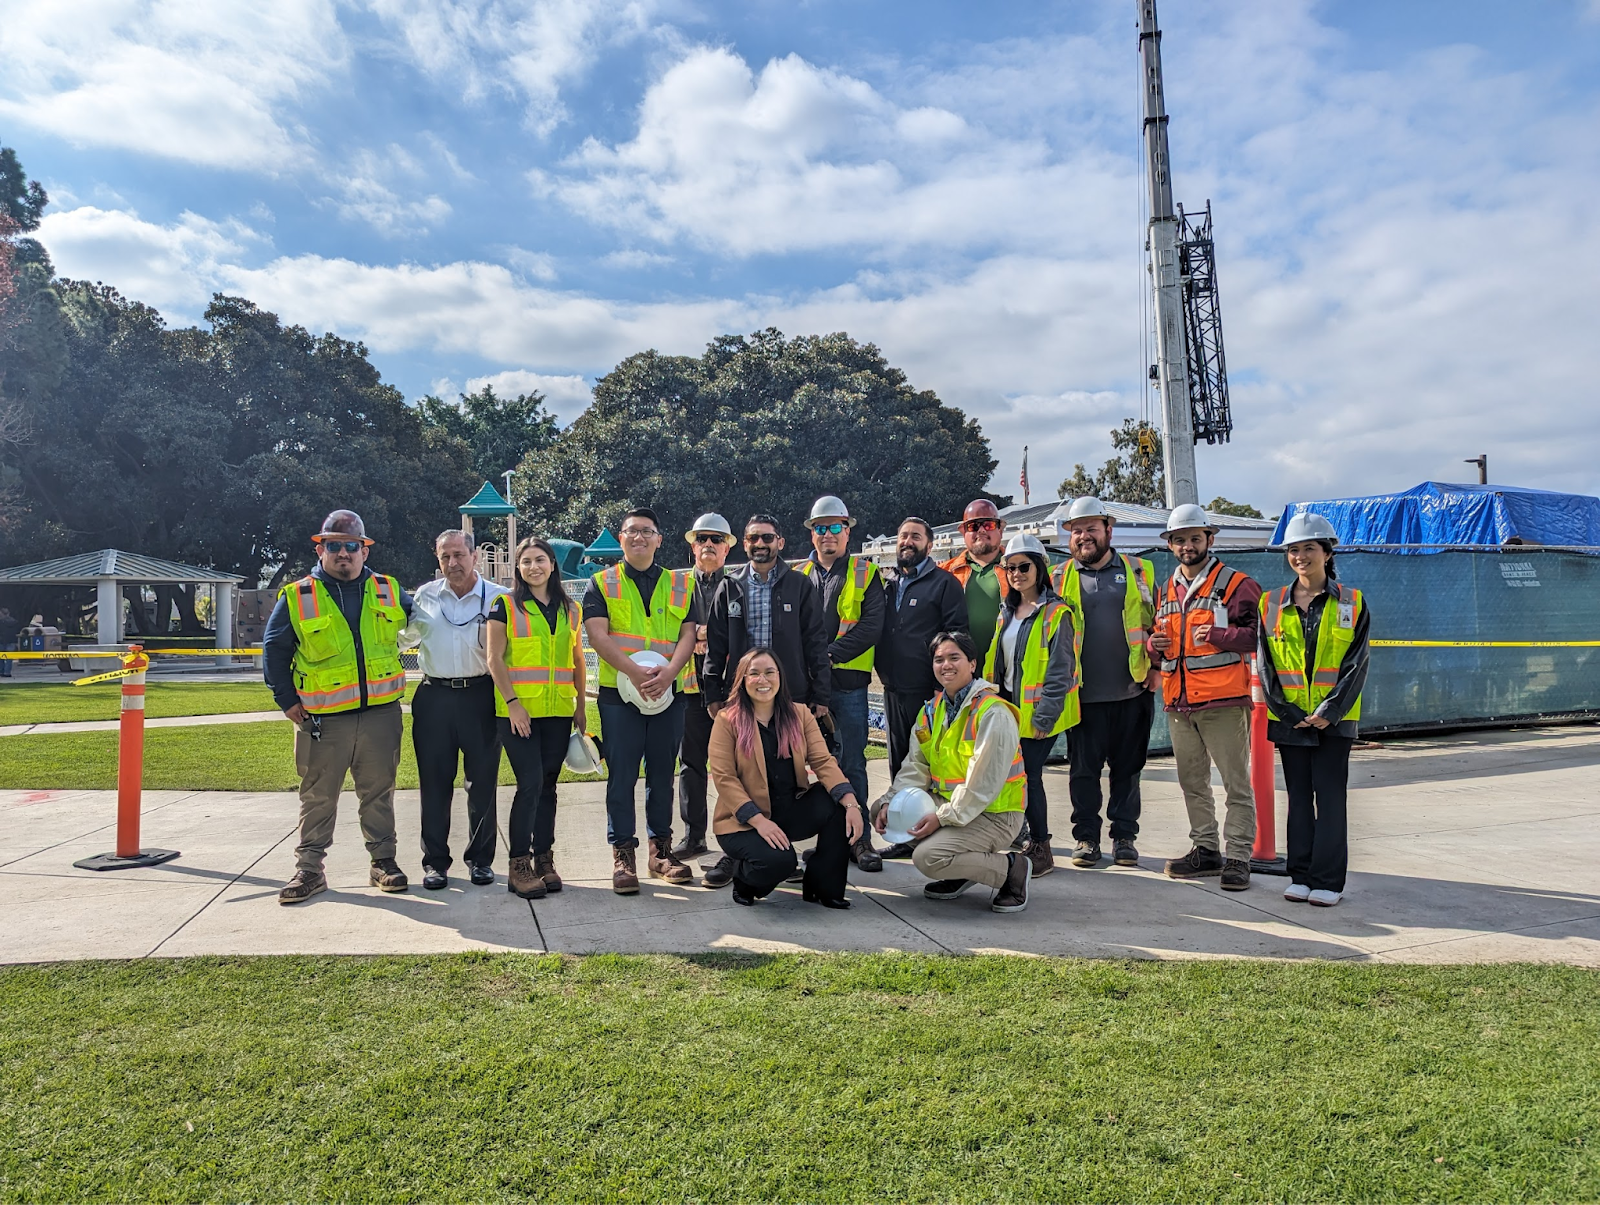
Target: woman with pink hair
column 762, row 746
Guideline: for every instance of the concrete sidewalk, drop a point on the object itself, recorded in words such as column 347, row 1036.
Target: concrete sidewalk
column 1473, row 848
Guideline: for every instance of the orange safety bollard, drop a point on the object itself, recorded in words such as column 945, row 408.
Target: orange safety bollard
column 1264, row 858
column 130, row 775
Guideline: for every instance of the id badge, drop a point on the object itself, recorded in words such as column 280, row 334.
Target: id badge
column 1219, row 618
column 1347, row 615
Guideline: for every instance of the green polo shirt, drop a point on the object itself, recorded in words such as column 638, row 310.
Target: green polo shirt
column 983, row 602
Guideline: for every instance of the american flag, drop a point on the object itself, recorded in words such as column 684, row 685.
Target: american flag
column 1024, row 482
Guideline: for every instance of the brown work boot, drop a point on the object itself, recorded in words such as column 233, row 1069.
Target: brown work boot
column 544, row 865
column 523, row 881
column 664, row 864
column 1041, row 857
column 304, row 885
column 624, row 871
column 387, row 876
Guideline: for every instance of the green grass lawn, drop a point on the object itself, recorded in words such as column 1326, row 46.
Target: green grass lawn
column 815, row 1078
column 56, row 703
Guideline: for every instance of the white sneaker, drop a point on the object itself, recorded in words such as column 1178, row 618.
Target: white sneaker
column 1297, row 893
column 1325, row 899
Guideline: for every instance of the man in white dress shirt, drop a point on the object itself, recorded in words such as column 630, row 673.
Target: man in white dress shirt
column 452, row 715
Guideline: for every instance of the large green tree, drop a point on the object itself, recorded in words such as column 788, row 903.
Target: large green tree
column 758, row 423
column 1134, row 475
column 499, row 431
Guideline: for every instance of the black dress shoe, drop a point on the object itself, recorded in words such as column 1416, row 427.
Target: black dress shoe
column 741, row 895
column 719, row 875
column 434, row 880
column 482, row 876
column 864, row 856
column 900, row 849
column 811, row 897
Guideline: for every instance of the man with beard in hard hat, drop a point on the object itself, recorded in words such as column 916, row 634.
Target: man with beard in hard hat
column 977, row 568
column 711, row 537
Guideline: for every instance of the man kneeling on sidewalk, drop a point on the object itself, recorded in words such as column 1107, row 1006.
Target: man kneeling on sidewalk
column 965, row 752
column 332, row 659
column 1205, row 627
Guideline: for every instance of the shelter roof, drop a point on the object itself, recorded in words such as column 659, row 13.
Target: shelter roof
column 488, row 501
column 86, row 568
column 605, row 544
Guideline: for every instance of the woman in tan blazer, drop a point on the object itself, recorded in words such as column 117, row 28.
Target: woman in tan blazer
column 762, row 745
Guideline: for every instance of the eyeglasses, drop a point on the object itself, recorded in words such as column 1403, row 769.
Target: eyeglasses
column 708, row 537
column 827, row 529
column 981, row 525
column 639, row 533
column 760, row 537
column 343, row 545
column 1021, row 570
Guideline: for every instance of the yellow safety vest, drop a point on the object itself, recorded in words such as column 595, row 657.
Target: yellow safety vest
column 948, row 748
column 1036, row 660
column 326, row 675
column 859, row 574
column 1286, row 644
column 544, row 665
column 1138, row 605
column 634, row 631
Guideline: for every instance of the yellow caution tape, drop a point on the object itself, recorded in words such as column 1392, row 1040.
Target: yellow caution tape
column 116, row 673
column 1485, row 644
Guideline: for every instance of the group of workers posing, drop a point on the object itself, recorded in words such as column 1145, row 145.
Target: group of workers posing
column 755, row 679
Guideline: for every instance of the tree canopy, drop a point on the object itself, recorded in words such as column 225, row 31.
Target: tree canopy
column 500, row 432
column 759, row 423
column 1135, row 476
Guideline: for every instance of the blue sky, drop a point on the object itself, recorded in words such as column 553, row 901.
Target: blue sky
column 525, row 193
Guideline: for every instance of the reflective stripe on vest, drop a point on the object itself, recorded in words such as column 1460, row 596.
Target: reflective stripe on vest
column 541, row 663
column 1200, row 677
column 949, row 749
column 1284, row 639
column 327, row 673
column 1034, row 667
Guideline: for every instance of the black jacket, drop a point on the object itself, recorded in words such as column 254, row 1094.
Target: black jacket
column 934, row 602
column 864, row 635
column 798, row 637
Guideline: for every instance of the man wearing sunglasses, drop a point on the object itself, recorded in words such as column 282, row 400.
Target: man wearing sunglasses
column 331, row 655
column 851, row 594
column 977, row 568
column 710, row 539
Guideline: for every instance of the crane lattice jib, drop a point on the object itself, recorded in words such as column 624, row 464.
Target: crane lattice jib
column 1202, row 320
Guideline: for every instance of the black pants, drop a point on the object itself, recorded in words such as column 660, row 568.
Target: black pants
column 448, row 727
column 1317, row 777
column 536, row 761
column 632, row 737
column 1034, row 752
column 900, row 708
column 692, row 778
column 758, row 868
column 1115, row 734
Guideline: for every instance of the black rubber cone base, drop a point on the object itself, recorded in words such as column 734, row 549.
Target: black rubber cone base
column 145, row 857
column 1270, row 866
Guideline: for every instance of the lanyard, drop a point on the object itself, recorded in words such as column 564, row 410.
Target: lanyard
column 483, row 594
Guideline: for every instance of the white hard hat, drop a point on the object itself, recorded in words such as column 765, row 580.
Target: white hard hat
column 1186, row 516
column 1088, row 508
column 1308, row 525
column 710, row 521
column 1023, row 542
column 830, row 507
column 582, row 757
column 630, row 692
column 904, row 810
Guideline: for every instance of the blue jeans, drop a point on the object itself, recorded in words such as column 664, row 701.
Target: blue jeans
column 849, row 711
column 630, row 737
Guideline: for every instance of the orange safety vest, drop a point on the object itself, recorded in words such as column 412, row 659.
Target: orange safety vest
column 1191, row 671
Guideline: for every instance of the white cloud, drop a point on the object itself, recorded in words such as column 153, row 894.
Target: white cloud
column 565, row 396
column 537, row 49
column 800, row 157
column 203, row 83
column 634, row 259
column 366, row 194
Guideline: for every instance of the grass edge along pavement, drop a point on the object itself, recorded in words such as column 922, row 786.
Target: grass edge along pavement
column 61, row 702
column 816, row 1077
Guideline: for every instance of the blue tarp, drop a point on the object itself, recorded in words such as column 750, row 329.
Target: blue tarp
column 1433, row 513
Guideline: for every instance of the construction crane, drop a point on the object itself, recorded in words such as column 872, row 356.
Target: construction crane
column 1190, row 368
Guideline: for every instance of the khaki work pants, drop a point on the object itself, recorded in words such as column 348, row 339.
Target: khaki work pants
column 366, row 744
column 1200, row 738
column 975, row 850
